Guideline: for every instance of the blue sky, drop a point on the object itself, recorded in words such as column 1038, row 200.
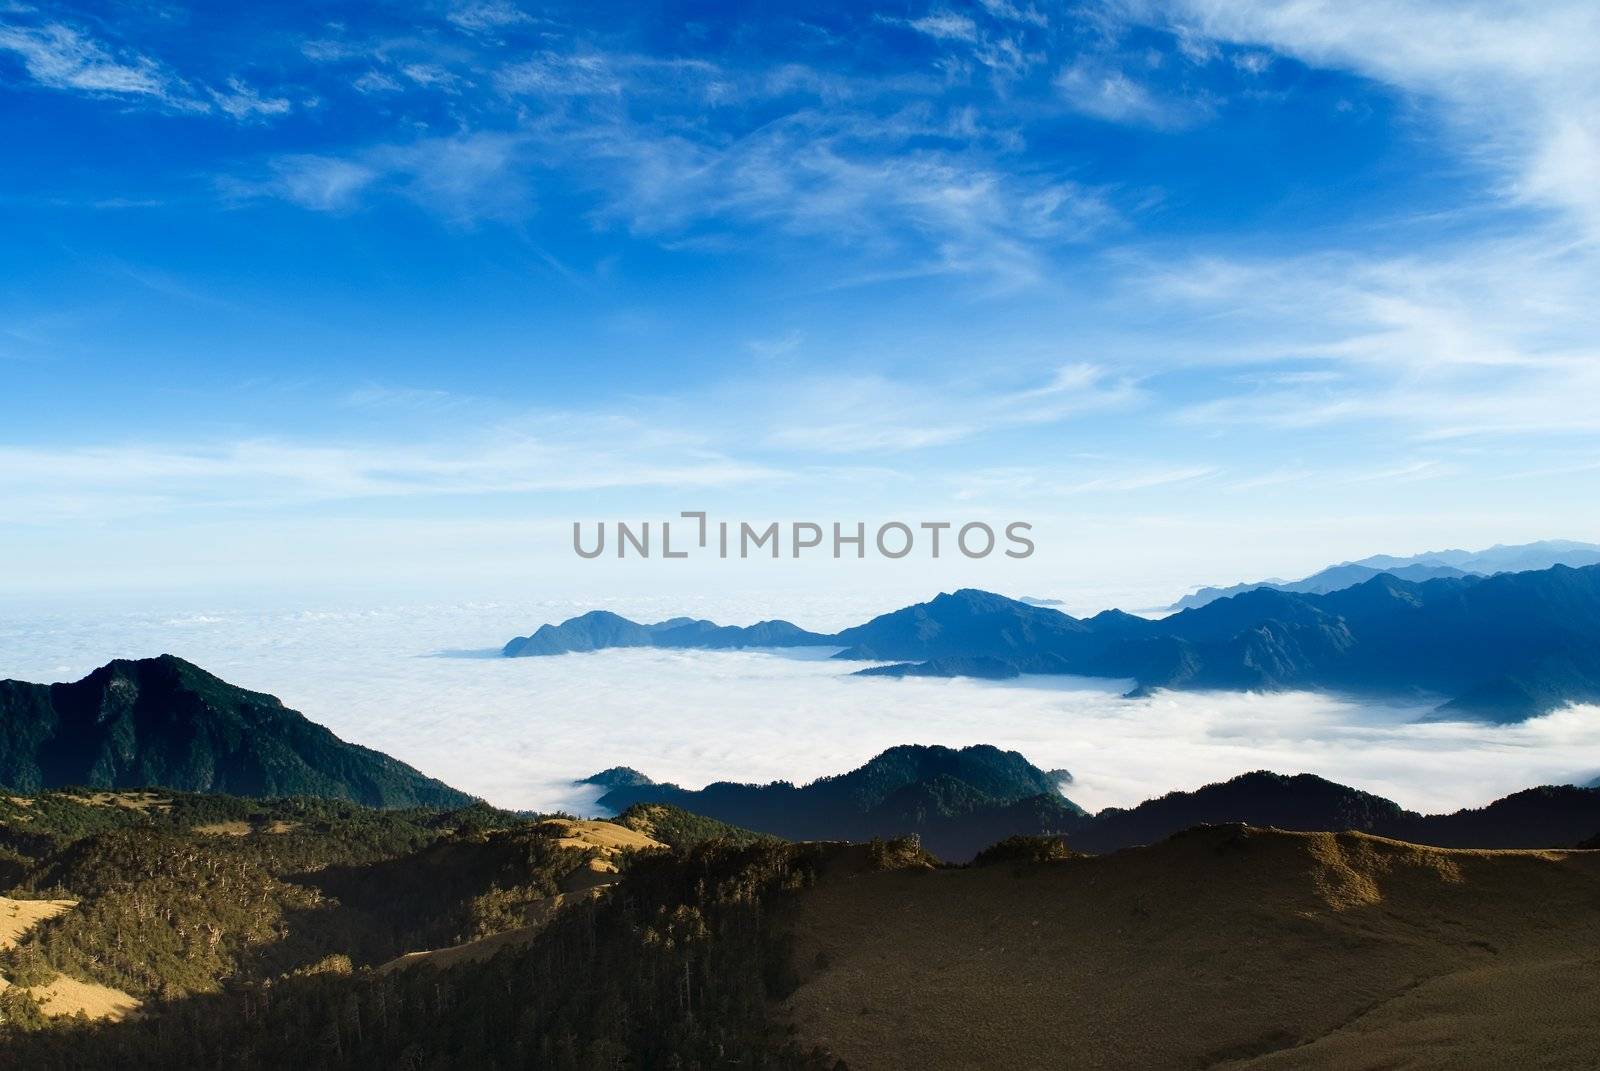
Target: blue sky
column 1207, row 290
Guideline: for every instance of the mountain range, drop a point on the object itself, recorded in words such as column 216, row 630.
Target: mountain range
column 144, row 931
column 154, row 929
column 165, row 722
column 1501, row 648
column 1417, row 567
column 601, row 629
column 958, row 801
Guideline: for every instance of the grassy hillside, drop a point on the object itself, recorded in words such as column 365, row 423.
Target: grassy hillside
column 170, row 895
column 1222, row 947
column 682, row 829
column 1225, row 946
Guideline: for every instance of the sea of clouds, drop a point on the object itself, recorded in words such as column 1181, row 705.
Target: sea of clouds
column 422, row 683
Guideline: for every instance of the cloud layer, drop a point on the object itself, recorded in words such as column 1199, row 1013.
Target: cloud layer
column 519, row 731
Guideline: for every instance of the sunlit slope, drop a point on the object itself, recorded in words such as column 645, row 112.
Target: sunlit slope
column 1224, row 946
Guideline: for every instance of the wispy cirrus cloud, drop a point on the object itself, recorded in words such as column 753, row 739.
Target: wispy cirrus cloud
column 42, row 484
column 846, row 414
column 463, row 179
column 1518, row 81
column 487, row 15
column 1488, row 337
column 244, row 102
column 1100, row 88
column 57, row 56
column 916, row 191
column 772, row 432
column 60, row 57
column 945, row 25
column 1077, row 477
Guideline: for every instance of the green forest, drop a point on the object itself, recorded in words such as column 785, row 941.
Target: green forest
column 263, row 946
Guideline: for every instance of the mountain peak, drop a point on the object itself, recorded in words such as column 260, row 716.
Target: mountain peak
column 165, row 722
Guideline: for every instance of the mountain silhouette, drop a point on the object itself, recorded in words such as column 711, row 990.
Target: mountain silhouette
column 164, row 723
column 1417, row 567
column 959, row 801
column 952, row 798
column 1500, row 648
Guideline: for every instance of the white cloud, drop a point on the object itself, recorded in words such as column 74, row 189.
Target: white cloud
column 1251, row 62
column 851, row 180
column 1076, row 476
column 243, row 102
column 1518, row 80
column 1006, row 9
column 60, row 57
column 464, row 179
column 946, row 26
column 430, row 75
column 44, row 484
column 322, row 183
column 377, row 82
column 1482, row 338
column 893, row 187
column 561, row 75
column 844, row 414
column 1096, row 87
column 1002, row 52
column 465, row 720
column 487, row 15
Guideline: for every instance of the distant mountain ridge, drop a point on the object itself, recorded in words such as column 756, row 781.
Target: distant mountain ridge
column 959, row 801
column 165, row 723
column 1504, row 648
column 952, row 798
column 601, row 629
column 1432, row 565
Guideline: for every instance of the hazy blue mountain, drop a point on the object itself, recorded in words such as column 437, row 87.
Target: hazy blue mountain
column 1333, row 578
column 1505, row 647
column 601, row 629
column 1500, row 558
column 1417, row 567
column 966, row 623
column 954, row 799
column 164, row 723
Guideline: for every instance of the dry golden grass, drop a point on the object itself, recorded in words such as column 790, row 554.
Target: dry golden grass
column 133, row 801
column 241, row 828
column 63, row 995
column 17, row 917
column 1223, row 947
column 69, row 996
column 606, row 837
